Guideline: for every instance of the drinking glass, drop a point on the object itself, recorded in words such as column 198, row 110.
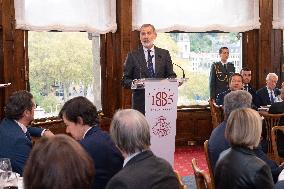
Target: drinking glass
column 5, row 171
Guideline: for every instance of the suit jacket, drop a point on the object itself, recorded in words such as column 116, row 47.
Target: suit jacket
column 135, row 67
column 107, row 158
column 238, row 167
column 220, row 97
column 14, row 143
column 145, row 171
column 217, row 144
column 255, row 98
column 264, row 96
column 219, row 78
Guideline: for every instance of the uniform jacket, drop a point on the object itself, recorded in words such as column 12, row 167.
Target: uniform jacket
column 219, row 78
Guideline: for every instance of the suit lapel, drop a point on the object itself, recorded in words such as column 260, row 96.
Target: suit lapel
column 142, row 63
column 158, row 61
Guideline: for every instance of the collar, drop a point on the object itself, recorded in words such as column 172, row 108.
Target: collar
column 146, row 50
column 223, row 62
column 87, row 132
column 128, row 158
column 269, row 90
column 23, row 127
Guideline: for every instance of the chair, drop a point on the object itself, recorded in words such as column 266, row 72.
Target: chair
column 274, row 130
column 181, row 185
column 216, row 113
column 270, row 120
column 210, row 168
column 202, row 179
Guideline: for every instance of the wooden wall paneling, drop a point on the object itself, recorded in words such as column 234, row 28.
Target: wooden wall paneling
column 265, row 44
column 277, row 53
column 193, row 126
column 250, row 43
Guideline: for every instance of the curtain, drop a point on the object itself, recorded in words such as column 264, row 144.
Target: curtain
column 94, row 16
column 197, row 15
column 278, row 14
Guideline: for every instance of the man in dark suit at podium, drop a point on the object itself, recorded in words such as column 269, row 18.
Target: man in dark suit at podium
column 148, row 61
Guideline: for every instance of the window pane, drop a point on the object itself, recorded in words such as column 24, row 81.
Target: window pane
column 62, row 66
column 195, row 53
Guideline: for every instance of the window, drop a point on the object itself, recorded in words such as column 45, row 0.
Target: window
column 195, row 53
column 62, row 66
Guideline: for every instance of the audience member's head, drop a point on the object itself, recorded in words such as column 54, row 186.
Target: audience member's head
column 20, row 105
column 246, row 74
column 78, row 115
column 236, row 99
column 130, row 131
column 147, row 35
column 271, row 81
column 244, row 128
column 224, row 54
column 236, row 82
column 58, row 162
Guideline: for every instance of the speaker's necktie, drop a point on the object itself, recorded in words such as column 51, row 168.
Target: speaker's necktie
column 28, row 135
column 271, row 97
column 150, row 64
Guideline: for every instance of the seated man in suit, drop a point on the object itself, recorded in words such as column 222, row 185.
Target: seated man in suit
column 278, row 108
column 81, row 119
column 246, row 74
column 217, row 142
column 142, row 169
column 235, row 83
column 267, row 95
column 15, row 135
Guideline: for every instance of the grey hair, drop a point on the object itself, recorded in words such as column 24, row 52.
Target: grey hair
column 130, row 131
column 244, row 127
column 271, row 75
column 236, row 99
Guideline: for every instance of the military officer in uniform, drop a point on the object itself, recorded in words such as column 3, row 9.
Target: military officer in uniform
column 220, row 73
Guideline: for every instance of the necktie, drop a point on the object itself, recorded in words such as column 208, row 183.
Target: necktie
column 246, row 87
column 271, row 97
column 150, row 64
column 28, row 135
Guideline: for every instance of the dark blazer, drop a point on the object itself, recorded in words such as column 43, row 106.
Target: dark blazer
column 238, row 167
column 135, row 67
column 219, row 78
column 220, row 97
column 107, row 158
column 217, row 144
column 14, row 143
column 255, row 98
column 264, row 96
column 278, row 108
column 145, row 171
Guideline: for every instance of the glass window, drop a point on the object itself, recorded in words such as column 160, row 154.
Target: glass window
column 195, row 53
column 62, row 66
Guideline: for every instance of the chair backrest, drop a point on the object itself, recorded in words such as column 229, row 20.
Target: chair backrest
column 202, row 179
column 270, row 120
column 274, row 139
column 216, row 113
column 181, row 185
column 210, row 168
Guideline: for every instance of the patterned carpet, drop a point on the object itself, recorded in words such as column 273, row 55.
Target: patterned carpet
column 183, row 157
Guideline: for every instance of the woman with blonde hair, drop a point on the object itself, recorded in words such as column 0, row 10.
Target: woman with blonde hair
column 238, row 167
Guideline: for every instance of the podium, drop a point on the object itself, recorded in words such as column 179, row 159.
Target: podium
column 161, row 97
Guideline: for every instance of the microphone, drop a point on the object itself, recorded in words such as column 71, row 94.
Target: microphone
column 183, row 74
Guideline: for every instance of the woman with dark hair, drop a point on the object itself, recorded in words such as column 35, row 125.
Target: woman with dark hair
column 58, row 163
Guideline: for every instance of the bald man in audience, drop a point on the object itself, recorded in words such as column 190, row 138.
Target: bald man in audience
column 267, row 95
column 217, row 142
column 235, row 83
column 141, row 169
